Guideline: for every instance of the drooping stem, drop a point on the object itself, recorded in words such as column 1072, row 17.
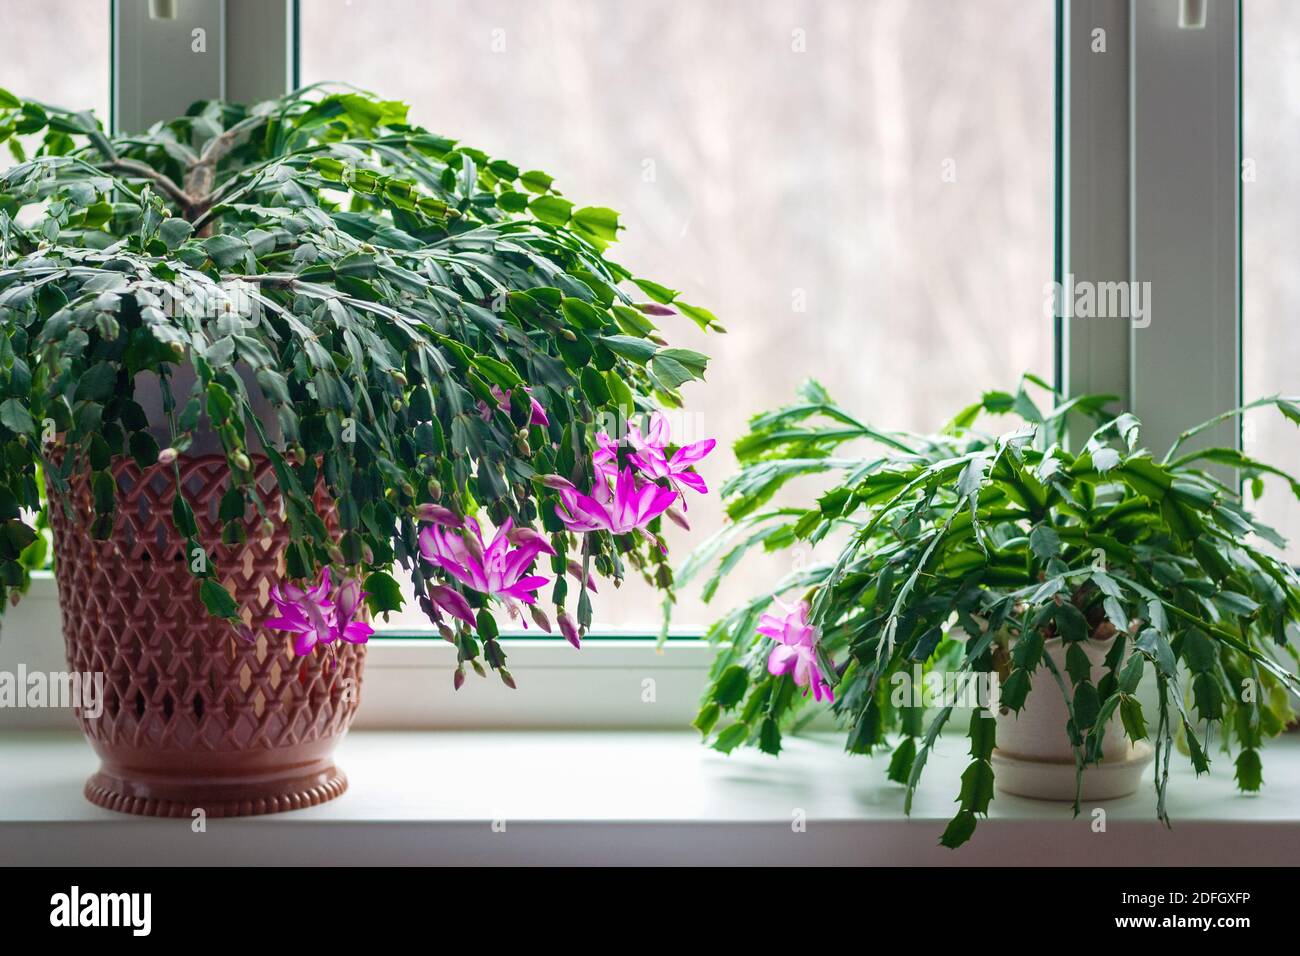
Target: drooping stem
column 200, row 178
column 162, row 181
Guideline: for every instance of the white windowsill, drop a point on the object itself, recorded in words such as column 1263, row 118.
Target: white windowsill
column 639, row 798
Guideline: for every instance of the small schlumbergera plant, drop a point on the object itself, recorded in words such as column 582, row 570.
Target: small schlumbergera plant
column 974, row 553
column 433, row 339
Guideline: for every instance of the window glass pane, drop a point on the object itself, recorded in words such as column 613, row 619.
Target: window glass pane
column 56, row 52
column 861, row 190
column 1270, row 238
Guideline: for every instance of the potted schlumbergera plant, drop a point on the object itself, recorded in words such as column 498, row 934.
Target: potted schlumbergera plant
column 260, row 356
column 1040, row 590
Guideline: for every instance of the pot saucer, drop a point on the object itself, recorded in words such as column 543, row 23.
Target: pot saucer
column 1052, row 780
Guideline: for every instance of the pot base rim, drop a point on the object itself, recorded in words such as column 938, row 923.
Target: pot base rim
column 114, row 793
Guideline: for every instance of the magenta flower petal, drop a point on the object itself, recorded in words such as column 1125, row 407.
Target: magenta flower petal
column 821, row 688
column 539, row 414
column 782, row 660
column 690, row 454
column 358, row 632
column 692, row 481
column 659, row 435
column 582, row 513
column 284, row 624
column 523, row 588
column 347, row 598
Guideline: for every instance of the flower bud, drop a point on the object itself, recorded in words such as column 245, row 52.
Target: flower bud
column 576, row 570
column 435, row 489
column 522, row 534
column 478, row 668
column 458, row 678
column 540, row 618
column 570, row 630
column 167, row 456
column 506, row 679
column 677, row 518
column 437, row 514
column 241, row 461
column 556, row 482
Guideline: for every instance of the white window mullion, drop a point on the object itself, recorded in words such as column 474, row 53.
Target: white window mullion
column 1186, row 219
column 1095, row 188
column 169, row 53
column 1150, row 185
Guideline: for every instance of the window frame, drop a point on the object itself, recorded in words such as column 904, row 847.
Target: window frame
column 1107, row 225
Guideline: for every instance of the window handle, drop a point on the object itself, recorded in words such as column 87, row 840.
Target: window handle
column 1191, row 14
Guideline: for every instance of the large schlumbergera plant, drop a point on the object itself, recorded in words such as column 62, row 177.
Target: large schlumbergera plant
column 966, row 552
column 439, row 337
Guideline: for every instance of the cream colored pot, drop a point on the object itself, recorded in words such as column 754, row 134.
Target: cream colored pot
column 1034, row 758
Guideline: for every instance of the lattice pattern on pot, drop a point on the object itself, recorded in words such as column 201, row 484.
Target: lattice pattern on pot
column 174, row 677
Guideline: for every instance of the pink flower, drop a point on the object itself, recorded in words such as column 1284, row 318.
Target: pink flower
column 347, row 599
column 796, row 648
column 493, row 569
column 502, row 397
column 628, row 506
column 317, row 616
column 651, row 457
